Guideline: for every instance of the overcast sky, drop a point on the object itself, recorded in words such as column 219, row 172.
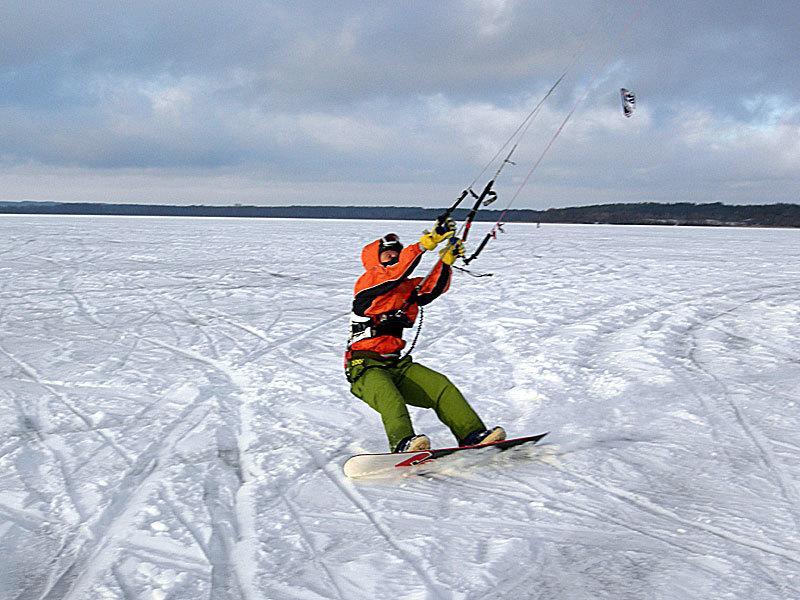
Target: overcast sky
column 397, row 103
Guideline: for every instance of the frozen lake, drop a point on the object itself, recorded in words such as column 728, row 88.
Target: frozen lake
column 174, row 415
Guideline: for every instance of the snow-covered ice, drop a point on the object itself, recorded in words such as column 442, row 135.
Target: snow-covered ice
column 174, row 416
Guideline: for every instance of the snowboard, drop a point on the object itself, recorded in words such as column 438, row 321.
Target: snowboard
column 364, row 465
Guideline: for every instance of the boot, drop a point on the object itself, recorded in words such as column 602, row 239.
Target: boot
column 483, row 436
column 413, row 443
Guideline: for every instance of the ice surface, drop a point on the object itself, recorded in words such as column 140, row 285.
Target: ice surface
column 174, row 416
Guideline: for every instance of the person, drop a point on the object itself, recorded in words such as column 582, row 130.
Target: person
column 386, row 301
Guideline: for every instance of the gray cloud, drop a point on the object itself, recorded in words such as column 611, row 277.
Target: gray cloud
column 392, row 96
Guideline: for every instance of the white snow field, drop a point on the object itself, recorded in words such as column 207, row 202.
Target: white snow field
column 174, row 416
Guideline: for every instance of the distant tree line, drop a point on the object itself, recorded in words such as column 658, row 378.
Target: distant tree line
column 647, row 213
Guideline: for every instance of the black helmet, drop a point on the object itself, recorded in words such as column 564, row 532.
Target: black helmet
column 391, row 241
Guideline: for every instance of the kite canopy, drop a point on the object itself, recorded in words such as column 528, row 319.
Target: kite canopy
column 628, row 101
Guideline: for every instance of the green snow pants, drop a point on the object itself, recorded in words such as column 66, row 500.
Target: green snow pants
column 389, row 386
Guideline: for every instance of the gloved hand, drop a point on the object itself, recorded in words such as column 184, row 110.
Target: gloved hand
column 443, row 230
column 452, row 251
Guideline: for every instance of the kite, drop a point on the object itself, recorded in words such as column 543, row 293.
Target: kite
column 628, row 101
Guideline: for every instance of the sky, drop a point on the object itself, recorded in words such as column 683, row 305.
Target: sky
column 398, row 103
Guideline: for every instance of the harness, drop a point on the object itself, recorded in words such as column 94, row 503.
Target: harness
column 362, row 328
column 389, row 323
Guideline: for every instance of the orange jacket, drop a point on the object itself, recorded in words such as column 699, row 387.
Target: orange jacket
column 384, row 289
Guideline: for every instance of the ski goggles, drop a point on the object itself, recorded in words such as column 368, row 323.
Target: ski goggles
column 391, row 241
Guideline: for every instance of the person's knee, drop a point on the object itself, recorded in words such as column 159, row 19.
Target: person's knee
column 435, row 380
column 443, row 385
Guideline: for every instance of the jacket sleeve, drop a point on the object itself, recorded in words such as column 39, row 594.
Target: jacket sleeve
column 379, row 279
column 437, row 284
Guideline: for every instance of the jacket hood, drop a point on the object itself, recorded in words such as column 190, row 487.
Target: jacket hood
column 370, row 254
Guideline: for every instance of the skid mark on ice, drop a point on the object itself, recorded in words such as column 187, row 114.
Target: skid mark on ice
column 227, row 494
column 167, row 556
column 9, row 448
column 332, row 470
column 27, row 519
column 29, row 371
column 527, row 490
column 658, row 510
column 787, row 445
column 757, row 438
column 751, row 294
column 309, row 371
column 198, row 323
column 252, row 330
column 308, row 543
column 127, row 591
column 296, row 337
column 323, row 380
column 169, row 500
column 91, row 550
column 225, row 579
column 760, row 441
column 420, row 566
column 31, row 425
column 565, row 504
column 224, row 527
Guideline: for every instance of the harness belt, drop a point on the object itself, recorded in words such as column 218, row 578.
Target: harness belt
column 389, row 323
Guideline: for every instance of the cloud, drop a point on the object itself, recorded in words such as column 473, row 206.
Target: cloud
column 417, row 95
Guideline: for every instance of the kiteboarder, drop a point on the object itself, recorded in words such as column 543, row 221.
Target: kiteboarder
column 387, row 301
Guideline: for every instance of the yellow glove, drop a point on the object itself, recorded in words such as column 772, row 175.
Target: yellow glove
column 442, row 231
column 451, row 252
